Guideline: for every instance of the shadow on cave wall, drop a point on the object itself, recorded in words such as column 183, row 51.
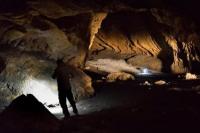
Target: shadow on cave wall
column 166, row 53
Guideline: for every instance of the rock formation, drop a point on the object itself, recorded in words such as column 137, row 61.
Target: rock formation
column 153, row 38
column 27, row 114
column 119, row 76
column 33, row 34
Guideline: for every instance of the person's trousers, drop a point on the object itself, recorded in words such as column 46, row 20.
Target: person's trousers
column 62, row 95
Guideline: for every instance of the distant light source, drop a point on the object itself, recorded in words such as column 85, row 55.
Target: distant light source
column 145, row 71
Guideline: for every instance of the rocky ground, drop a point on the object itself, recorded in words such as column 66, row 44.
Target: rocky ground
column 128, row 106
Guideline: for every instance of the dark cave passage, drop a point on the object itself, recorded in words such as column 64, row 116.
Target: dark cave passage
column 140, row 58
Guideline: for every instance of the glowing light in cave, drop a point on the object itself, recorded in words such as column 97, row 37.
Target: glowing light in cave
column 145, row 71
column 45, row 91
column 42, row 90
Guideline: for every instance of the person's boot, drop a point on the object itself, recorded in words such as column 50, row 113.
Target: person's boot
column 75, row 110
column 67, row 115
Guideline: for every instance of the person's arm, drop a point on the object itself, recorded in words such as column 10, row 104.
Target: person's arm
column 54, row 74
column 71, row 75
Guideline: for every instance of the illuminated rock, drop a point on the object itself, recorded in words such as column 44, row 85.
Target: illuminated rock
column 26, row 74
column 155, row 39
column 117, row 76
column 146, row 83
column 190, row 76
column 160, row 82
column 31, row 75
column 110, row 66
column 146, row 61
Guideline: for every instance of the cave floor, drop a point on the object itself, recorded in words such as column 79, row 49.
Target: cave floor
column 131, row 93
column 128, row 106
column 131, row 106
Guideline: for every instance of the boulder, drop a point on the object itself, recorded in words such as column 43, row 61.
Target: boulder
column 119, row 76
column 190, row 76
column 160, row 82
column 26, row 114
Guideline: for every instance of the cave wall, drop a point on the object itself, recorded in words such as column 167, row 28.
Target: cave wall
column 158, row 39
column 25, row 74
column 33, row 37
column 33, row 34
column 37, row 34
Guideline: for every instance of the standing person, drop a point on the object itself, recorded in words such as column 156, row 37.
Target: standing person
column 63, row 75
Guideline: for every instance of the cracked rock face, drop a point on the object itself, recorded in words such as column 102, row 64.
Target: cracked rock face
column 33, row 34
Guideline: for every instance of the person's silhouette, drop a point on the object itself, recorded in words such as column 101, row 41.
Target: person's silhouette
column 63, row 75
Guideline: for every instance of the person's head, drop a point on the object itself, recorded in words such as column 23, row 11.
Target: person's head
column 59, row 61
